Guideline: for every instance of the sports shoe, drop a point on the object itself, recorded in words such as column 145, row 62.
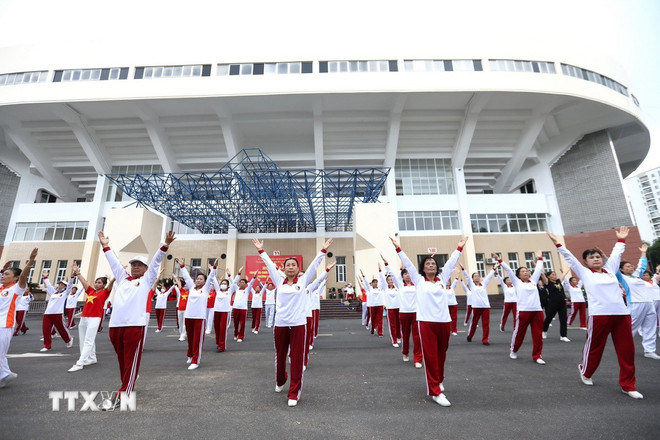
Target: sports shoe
column 239, row 340
column 634, row 394
column 651, row 355
column 540, row 361
column 418, row 365
column 235, row 338
column 5, row 380
column 109, row 405
column 157, row 331
column 292, row 402
column 45, row 349
column 189, row 360
column 70, row 343
column 501, row 329
column 256, row 332
column 311, row 347
column 182, row 338
column 513, row 355
column 441, row 400
column 565, row 339
column 454, row 334
column 398, row 341
column 395, row 345
column 42, row 338
column 278, row 389
column 72, row 327
column 193, row 366
column 545, row 335
column 92, row 362
column 406, row 358
column 76, row 367
column 304, row 367
column 208, row 332
column 585, row 380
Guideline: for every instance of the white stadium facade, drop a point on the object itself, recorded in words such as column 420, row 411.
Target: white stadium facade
column 496, row 145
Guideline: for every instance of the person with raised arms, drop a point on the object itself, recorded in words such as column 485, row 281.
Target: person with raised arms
column 128, row 320
column 53, row 317
column 290, row 320
column 608, row 314
column 12, row 285
column 433, row 315
column 222, row 309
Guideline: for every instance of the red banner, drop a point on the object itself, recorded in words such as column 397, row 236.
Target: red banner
column 255, row 263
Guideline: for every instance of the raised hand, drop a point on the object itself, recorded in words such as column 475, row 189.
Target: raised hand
column 643, row 248
column 241, row 269
column 258, row 244
column 622, row 233
column 395, row 243
column 383, row 258
column 494, row 255
column 553, row 237
column 75, row 268
column 327, row 244
column 331, row 265
column 169, row 238
column 539, row 254
column 180, row 261
column 380, row 269
column 462, row 242
column 105, row 241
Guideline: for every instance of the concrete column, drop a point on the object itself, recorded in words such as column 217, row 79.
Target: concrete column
column 469, row 258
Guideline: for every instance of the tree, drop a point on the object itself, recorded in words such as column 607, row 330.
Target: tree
column 653, row 254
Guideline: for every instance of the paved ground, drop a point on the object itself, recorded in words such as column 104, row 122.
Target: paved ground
column 356, row 387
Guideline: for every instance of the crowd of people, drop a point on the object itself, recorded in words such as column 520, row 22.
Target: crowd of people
column 418, row 301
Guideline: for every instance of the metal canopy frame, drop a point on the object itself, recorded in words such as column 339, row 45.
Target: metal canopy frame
column 252, row 194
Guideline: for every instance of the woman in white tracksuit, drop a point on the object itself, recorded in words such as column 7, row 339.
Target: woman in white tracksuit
column 654, row 280
column 271, row 293
column 222, row 309
column 642, row 312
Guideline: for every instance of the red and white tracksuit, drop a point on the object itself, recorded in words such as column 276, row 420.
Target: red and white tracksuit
column 407, row 316
column 578, row 305
column 433, row 319
column 290, row 322
column 128, row 320
column 530, row 312
column 222, row 311
column 608, row 316
column 453, row 306
column 53, row 313
column 375, row 305
column 70, row 309
column 22, row 307
column 256, row 304
column 510, row 303
column 392, row 304
column 480, row 305
column 239, row 310
column 195, row 314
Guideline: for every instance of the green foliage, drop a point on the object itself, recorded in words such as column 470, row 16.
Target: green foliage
column 653, row 253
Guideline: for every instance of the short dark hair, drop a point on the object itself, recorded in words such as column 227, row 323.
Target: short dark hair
column 423, row 262
column 17, row 271
column 290, row 258
column 588, row 252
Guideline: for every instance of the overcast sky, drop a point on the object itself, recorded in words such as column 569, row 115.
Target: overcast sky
column 625, row 30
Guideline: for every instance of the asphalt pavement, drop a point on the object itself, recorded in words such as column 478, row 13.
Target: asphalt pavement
column 356, row 387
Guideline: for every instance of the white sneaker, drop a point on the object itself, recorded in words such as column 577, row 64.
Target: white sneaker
column 441, row 400
column 182, row 338
column 45, row 349
column 634, row 394
column 189, row 360
column 304, row 367
column 651, row 355
column 311, row 347
column 395, row 345
column 278, row 389
column 454, row 334
column 42, row 338
column 239, row 340
column 406, row 358
column 585, row 380
column 208, row 332
column 70, row 343
column 256, row 332
column 513, row 355
column 545, row 335
column 5, row 380
column 540, row 361
column 235, row 338
column 193, row 366
column 75, row 367
column 418, row 365
column 565, row 339
column 398, row 341
column 157, row 331
column 292, row 402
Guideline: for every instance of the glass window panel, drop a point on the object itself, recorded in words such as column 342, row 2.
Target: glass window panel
column 197, row 70
column 294, row 68
column 223, row 69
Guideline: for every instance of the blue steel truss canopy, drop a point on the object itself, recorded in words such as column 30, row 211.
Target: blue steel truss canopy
column 252, row 194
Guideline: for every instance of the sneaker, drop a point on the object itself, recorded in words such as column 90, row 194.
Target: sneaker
column 634, row 394
column 395, row 345
column 189, row 360
column 398, row 341
column 182, row 338
column 441, row 400
column 193, row 366
column 502, row 329
column 565, row 339
column 545, row 335
column 5, row 380
column 45, row 349
column 208, row 332
column 239, row 340
column 92, row 362
column 157, row 331
column 70, row 343
column 418, row 365
column 651, row 355
column 278, row 389
column 311, row 347
column 513, row 355
column 41, row 339
column 380, row 336
column 256, row 332
column 72, row 327
column 109, row 405
column 292, row 402
column 585, row 380
column 76, row 367
column 540, row 361
column 454, row 334
column 406, row 358
column 235, row 338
